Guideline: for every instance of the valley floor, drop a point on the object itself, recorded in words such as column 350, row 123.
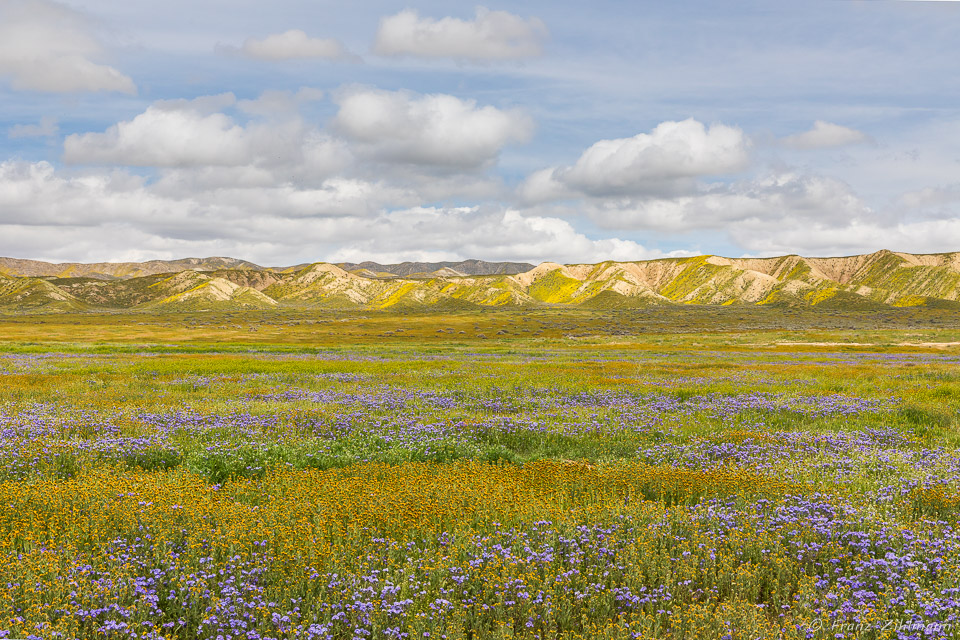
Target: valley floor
column 656, row 473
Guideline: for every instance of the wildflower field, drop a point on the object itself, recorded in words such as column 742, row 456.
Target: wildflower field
column 430, row 477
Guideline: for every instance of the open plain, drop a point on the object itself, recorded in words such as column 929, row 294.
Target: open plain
column 675, row 472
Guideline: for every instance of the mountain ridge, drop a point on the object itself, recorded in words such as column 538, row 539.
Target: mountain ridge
column 880, row 279
column 115, row 270
column 20, row 267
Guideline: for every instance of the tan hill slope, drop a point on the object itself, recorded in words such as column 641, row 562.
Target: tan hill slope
column 872, row 280
column 187, row 290
column 33, row 294
column 114, row 270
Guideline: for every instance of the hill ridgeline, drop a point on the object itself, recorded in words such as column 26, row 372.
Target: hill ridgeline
column 874, row 280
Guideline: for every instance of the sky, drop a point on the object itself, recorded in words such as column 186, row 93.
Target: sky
column 306, row 130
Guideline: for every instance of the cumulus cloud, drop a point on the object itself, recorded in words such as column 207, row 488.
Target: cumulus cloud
column 291, row 45
column 436, row 145
column 657, row 182
column 491, row 35
column 197, row 135
column 163, row 138
column 664, row 160
column 46, row 128
column 437, row 129
column 661, row 183
column 45, row 46
column 825, row 135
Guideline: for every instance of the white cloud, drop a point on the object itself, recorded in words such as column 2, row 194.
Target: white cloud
column 664, row 160
column 825, row 135
column 491, row 35
column 45, row 46
column 429, row 233
column 219, row 151
column 46, row 128
column 33, row 194
column 163, row 138
column 655, row 183
column 37, row 194
column 439, row 134
column 291, row 45
column 438, row 129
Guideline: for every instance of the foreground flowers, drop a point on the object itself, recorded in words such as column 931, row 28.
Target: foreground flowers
column 460, row 550
column 368, row 503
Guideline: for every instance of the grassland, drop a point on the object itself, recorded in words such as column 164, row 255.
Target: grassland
column 683, row 472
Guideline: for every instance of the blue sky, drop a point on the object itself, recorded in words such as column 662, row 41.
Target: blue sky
column 532, row 131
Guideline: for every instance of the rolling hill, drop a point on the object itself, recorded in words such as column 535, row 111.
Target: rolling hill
column 116, row 270
column 880, row 279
